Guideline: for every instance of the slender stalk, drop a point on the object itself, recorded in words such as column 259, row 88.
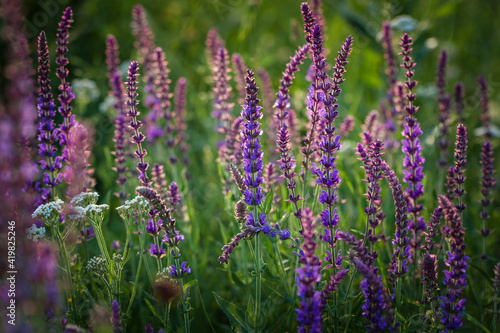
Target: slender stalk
column 258, row 284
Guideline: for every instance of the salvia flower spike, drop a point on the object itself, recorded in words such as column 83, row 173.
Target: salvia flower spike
column 66, row 96
column 308, row 275
column 411, row 147
column 136, row 124
column 48, row 134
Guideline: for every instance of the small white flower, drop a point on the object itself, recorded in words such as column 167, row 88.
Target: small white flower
column 76, row 213
column 49, row 212
column 84, row 199
column 35, row 233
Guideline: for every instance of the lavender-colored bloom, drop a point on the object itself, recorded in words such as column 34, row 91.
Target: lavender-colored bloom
column 456, row 178
column 62, row 72
column 118, row 92
column 213, row 43
column 401, row 242
column 391, row 115
column 163, row 95
column 48, row 134
column 370, row 128
column 429, row 276
column 320, row 86
column 484, row 104
column 156, row 251
column 455, row 278
column 413, row 174
column 136, row 124
column 239, row 68
column 153, row 227
column 252, row 153
column 116, row 319
column 222, row 90
column 356, row 248
column 180, row 272
column 237, row 178
column 287, row 162
column 487, row 183
column 172, row 239
column 253, row 167
column 347, row 126
column 267, row 102
column 144, row 43
column 173, row 196
column 459, row 95
column 376, row 299
column 374, row 168
column 308, row 275
column 159, row 180
column 443, row 109
column 327, row 176
column 240, row 212
column 432, row 229
column 149, row 329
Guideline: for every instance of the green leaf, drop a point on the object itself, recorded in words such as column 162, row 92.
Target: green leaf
column 232, row 312
column 190, row 284
column 269, row 201
column 152, row 309
column 476, row 323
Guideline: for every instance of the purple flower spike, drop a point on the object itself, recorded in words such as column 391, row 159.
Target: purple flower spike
column 48, row 134
column 443, row 110
column 118, row 92
column 116, row 319
column 153, row 228
column 308, row 275
column 455, row 278
column 374, row 168
column 173, row 196
column 484, row 104
column 456, row 178
column 401, row 242
column 62, row 72
column 487, row 183
column 377, row 300
column 413, row 174
column 459, row 95
column 252, row 153
column 163, row 96
column 287, row 162
column 239, row 68
column 136, row 124
column 154, row 251
column 429, row 276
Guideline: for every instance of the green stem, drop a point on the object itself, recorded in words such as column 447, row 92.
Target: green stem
column 183, row 303
column 258, row 282
column 283, row 273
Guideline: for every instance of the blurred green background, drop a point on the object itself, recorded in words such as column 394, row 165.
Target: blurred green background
column 266, row 33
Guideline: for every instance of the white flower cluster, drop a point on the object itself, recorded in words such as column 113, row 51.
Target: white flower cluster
column 49, row 212
column 84, row 199
column 139, row 203
column 76, row 213
column 35, row 233
column 97, row 265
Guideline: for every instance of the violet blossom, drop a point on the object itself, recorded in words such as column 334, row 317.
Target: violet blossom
column 48, row 134
column 456, row 178
column 136, row 124
column 118, row 92
column 308, row 275
column 487, row 183
column 443, row 110
column 411, row 147
column 451, row 305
